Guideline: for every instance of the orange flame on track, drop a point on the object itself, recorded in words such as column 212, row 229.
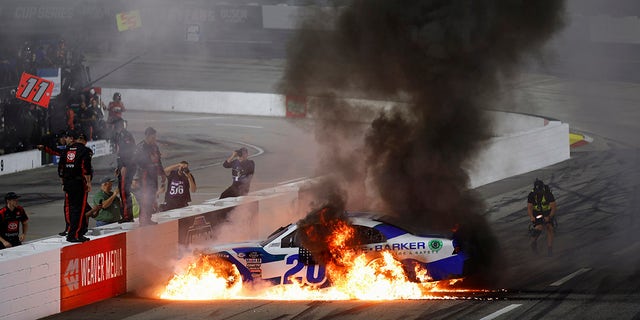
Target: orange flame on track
column 352, row 275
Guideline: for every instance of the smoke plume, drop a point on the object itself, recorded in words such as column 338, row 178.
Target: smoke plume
column 441, row 62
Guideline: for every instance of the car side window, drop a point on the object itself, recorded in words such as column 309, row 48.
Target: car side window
column 290, row 241
column 369, row 235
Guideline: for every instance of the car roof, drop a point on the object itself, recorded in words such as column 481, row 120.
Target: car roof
column 371, row 219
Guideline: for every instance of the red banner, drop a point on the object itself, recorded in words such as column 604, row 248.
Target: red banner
column 93, row 271
column 296, row 106
column 35, row 90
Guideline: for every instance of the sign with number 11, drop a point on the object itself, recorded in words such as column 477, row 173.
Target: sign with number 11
column 34, row 89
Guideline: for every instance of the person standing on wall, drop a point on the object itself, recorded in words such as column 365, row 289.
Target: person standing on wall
column 124, row 147
column 148, row 160
column 241, row 172
column 65, row 140
column 180, row 184
column 76, row 172
column 11, row 217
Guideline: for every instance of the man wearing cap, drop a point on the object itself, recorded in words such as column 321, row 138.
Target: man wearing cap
column 76, row 172
column 241, row 171
column 65, row 139
column 11, row 217
column 150, row 167
column 111, row 207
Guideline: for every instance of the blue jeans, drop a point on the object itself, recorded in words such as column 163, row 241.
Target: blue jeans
column 102, row 223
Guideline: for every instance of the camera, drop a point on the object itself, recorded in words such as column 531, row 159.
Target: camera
column 185, row 170
column 239, row 152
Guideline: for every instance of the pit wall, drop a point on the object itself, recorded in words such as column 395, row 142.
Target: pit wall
column 49, row 276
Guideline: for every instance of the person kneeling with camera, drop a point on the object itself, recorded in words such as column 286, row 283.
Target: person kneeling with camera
column 180, row 184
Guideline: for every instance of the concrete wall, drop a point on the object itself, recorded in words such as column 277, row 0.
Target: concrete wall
column 520, row 152
column 241, row 103
column 29, row 282
column 20, row 161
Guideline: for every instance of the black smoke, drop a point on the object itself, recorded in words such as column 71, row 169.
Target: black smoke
column 442, row 62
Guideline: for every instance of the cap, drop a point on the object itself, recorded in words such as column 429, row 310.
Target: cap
column 72, row 134
column 106, row 179
column 11, row 196
column 81, row 136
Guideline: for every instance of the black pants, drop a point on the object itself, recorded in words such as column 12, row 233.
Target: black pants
column 75, row 207
column 235, row 190
column 124, row 187
column 15, row 241
column 148, row 204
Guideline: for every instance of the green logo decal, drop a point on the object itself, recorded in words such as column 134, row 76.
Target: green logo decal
column 435, row 245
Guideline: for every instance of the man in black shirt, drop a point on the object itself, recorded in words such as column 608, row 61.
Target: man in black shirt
column 149, row 163
column 180, row 184
column 241, row 171
column 76, row 172
column 124, row 146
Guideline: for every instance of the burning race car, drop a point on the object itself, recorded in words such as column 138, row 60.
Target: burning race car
column 282, row 259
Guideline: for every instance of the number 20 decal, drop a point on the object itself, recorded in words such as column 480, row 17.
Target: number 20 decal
column 315, row 273
column 34, row 89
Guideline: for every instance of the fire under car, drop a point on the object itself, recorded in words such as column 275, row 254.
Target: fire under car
column 281, row 258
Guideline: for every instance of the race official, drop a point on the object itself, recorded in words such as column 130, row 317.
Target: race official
column 76, row 172
column 11, row 217
column 180, row 184
column 241, row 172
column 148, row 160
column 125, row 148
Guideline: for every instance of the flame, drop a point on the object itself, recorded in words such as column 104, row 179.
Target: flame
column 353, row 275
column 207, row 278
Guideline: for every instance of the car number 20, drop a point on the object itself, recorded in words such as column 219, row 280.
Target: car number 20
column 316, row 274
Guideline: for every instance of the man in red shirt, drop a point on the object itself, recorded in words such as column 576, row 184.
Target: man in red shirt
column 115, row 108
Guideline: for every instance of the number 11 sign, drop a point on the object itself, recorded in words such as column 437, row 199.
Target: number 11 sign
column 35, row 90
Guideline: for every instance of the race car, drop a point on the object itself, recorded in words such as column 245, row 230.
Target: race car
column 280, row 258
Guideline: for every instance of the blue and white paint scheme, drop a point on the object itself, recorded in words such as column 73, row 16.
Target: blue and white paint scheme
column 280, row 257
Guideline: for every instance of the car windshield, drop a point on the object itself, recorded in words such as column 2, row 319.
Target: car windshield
column 274, row 235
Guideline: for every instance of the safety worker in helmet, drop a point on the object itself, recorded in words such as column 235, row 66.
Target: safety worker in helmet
column 541, row 208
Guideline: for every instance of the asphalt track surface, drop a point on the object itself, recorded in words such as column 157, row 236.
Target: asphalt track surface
column 594, row 273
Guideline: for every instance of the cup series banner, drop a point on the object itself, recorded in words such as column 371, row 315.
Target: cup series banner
column 92, row 271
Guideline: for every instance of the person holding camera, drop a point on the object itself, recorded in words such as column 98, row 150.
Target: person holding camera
column 180, row 184
column 109, row 203
column 241, row 171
